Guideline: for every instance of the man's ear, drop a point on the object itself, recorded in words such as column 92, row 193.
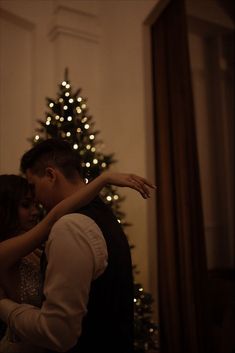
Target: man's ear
column 51, row 174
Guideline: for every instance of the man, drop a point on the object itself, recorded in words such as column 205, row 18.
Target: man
column 88, row 287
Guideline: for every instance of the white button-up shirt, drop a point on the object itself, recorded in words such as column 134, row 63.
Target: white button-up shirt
column 77, row 254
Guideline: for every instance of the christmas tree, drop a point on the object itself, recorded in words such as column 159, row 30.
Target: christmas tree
column 67, row 118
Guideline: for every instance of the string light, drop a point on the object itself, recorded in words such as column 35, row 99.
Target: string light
column 36, row 138
column 57, row 117
column 75, row 146
column 51, row 104
column 103, row 165
column 65, row 107
column 78, row 109
column 91, row 137
column 67, row 85
column 109, row 198
column 66, row 94
column 86, row 126
column 64, row 83
column 62, row 119
column 79, row 99
column 83, row 106
column 69, row 118
column 88, row 164
column 93, row 149
column 95, row 161
column 61, row 100
column 88, row 147
column 84, row 119
column 71, row 100
column 68, row 133
column 78, row 129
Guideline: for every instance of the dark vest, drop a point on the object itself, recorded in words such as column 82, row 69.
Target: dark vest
column 108, row 325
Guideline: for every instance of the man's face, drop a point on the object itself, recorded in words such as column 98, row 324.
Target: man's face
column 43, row 188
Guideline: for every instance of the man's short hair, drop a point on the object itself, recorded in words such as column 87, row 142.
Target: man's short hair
column 51, row 153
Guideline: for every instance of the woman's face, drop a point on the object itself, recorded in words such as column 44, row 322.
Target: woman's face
column 27, row 212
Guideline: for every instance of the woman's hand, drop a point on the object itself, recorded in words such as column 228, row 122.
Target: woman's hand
column 129, row 180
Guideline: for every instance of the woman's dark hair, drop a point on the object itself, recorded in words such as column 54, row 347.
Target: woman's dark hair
column 13, row 188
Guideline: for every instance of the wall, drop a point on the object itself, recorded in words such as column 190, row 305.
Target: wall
column 102, row 44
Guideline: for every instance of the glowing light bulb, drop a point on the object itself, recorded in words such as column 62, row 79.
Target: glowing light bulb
column 91, row 137
column 65, row 107
column 109, row 198
column 64, row 83
column 36, row 138
column 79, row 130
column 86, row 126
column 71, row 100
column 66, row 94
column 95, row 161
column 57, row 117
column 84, row 119
column 83, row 106
column 51, row 105
column 103, row 165
column 68, row 133
column 67, row 85
column 79, row 99
column 48, row 122
column 62, row 119
column 88, row 147
column 61, row 100
column 78, row 109
column 116, row 197
column 93, row 149
column 75, row 146
column 88, row 164
column 69, row 118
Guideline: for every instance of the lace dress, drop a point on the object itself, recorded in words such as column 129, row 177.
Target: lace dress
column 30, row 293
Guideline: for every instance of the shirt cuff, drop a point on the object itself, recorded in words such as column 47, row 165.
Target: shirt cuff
column 7, row 306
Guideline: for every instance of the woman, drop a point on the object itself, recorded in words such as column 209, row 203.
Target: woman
column 20, row 235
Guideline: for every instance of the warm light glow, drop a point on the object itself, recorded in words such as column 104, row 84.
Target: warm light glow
column 116, row 197
column 51, row 105
column 78, row 129
column 103, row 165
column 109, row 198
column 91, row 137
column 79, row 99
column 83, row 106
column 65, row 107
column 71, row 100
column 57, row 117
column 61, row 100
column 75, row 146
column 78, row 109
column 69, row 118
column 95, row 161
column 62, row 119
column 48, row 122
column 86, row 126
column 66, row 94
column 68, row 133
column 64, row 83
column 93, row 149
column 88, row 164
column 88, row 147
column 36, row 137
column 84, row 119
column 68, row 85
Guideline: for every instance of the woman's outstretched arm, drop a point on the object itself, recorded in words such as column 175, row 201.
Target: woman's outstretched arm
column 12, row 249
